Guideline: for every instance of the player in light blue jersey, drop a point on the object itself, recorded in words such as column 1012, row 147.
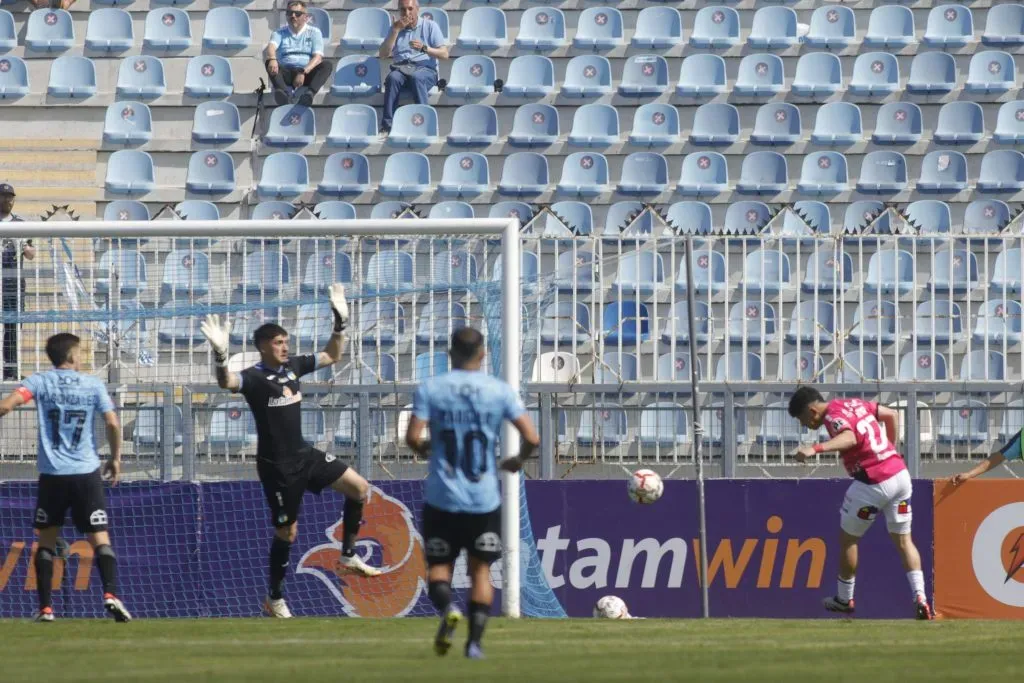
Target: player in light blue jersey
column 69, row 466
column 465, row 410
column 1011, row 451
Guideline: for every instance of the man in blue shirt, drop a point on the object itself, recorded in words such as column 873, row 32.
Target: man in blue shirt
column 414, row 45
column 295, row 58
column 465, row 410
column 69, row 466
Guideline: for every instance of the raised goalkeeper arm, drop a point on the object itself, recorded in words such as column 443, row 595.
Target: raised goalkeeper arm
column 217, row 333
column 339, row 309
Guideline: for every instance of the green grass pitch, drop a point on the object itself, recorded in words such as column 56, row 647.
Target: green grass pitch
column 524, row 651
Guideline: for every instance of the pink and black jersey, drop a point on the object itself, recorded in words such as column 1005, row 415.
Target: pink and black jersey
column 873, row 459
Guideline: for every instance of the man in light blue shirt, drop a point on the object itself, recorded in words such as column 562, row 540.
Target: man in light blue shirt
column 295, row 58
column 414, row 45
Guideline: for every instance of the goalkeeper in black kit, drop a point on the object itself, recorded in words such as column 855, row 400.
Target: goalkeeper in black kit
column 287, row 465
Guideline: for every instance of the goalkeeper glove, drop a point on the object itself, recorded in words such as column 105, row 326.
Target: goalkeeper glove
column 217, row 334
column 339, row 307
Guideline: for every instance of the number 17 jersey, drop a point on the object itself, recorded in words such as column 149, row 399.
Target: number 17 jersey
column 873, row 459
column 465, row 411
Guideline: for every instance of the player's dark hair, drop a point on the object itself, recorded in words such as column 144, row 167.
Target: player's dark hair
column 266, row 332
column 466, row 344
column 801, row 398
column 59, row 346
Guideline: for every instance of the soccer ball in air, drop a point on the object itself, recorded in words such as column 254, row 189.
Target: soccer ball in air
column 611, row 607
column 645, row 487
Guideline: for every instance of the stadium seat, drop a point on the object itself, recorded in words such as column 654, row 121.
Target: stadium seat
column 929, row 217
column 655, row 125
column 626, row 323
column 960, row 123
column 703, row 174
column 335, row 210
column 356, row 76
column 657, row 28
column 832, row 27
column 313, row 423
column 627, row 219
column 943, row 171
column 366, row 28
column 860, row 365
column 837, row 124
column 677, row 326
column 1004, row 25
column 149, row 425
column 109, row 29
column 49, row 30
column 584, row 174
column 453, row 268
column 571, row 218
column 751, row 323
column 932, row 73
column 823, row 173
column 1002, row 170
column 864, row 214
column 126, row 210
column 1010, row 123
column 898, row 123
column 197, row 210
column 644, row 76
column 471, row 76
column 890, row 26
column 664, row 425
column 8, row 32
column 141, row 77
column 536, row 125
column 594, row 125
column 72, row 77
column 643, row 174
column 963, row 421
column 530, row 76
column 713, row 419
column 806, row 219
column 290, row 126
column 954, row 270
column 541, row 28
column 574, row 270
column 998, row 322
column 210, row 172
column 776, row 123
column 227, row 28
column 874, row 74
column 701, row 75
column 715, row 123
column 121, row 269
column 353, row 125
column 186, row 272
column 781, row 431
column 949, row 26
column 405, row 174
column 938, row 322
column 746, row 217
column 874, row 322
column 284, row 174
column 818, row 74
column 716, row 28
column 760, row 75
column 324, row 268
column 766, row 271
column 1007, row 272
column 346, row 433
column 322, row 20
column 676, row 368
column 773, row 28
column 209, row 76
column 393, row 209
column 528, row 268
column 130, row 172
column 216, row 122
column 524, row 173
column 483, row 28
column 465, row 174
column 801, row 366
column 602, row 425
column 439, row 17
column 167, row 28
column 273, row 211
column 565, row 323
column 763, row 173
column 312, row 329
column 985, row 217
column 557, row 367
column 598, row 28
column 639, row 271
column 232, row 424
column 474, row 125
column 381, row 323
column 415, row 126
column 882, row 173
column 389, row 271
column 983, row 366
column 438, row 320
column 890, row 271
column 827, row 271
column 264, row 269
column 587, row 76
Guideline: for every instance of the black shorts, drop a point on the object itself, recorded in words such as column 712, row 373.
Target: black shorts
column 83, row 493
column 283, row 484
column 445, row 534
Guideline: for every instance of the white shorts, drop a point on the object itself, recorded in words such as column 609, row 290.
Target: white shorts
column 864, row 501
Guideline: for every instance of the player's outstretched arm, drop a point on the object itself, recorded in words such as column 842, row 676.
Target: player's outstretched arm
column 339, row 309
column 842, row 441
column 16, row 398
column 112, row 468
column 527, row 448
column 991, row 462
column 218, row 334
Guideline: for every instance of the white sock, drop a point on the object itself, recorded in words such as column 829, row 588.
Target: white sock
column 916, row 579
column 844, row 588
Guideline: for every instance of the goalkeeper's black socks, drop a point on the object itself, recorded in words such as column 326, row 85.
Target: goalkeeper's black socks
column 440, row 594
column 478, row 613
column 279, row 552
column 106, row 560
column 44, row 576
column 353, row 517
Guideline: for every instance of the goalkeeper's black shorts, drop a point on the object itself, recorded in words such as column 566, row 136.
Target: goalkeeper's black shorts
column 283, row 484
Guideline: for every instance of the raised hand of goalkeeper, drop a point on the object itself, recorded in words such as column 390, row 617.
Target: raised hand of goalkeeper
column 217, row 333
column 339, row 306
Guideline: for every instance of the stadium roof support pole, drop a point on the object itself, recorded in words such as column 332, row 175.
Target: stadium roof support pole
column 511, row 349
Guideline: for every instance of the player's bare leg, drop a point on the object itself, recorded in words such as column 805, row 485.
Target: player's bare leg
column 911, row 559
column 481, row 597
column 842, row 601
column 106, row 560
column 356, row 490
column 44, row 572
column 439, row 582
column 280, row 549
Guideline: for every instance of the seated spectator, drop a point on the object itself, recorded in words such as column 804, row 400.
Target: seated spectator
column 414, row 45
column 295, row 58
column 52, row 4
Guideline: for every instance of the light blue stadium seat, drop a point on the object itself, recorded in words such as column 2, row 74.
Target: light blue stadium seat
column 587, row 76
column 625, row 322
column 186, row 271
column 602, row 425
column 655, row 125
column 1002, row 170
column 430, row 365
column 943, row 171
column 657, row 28
column 346, row 434
column 72, row 76
column 353, row 125
column 1006, row 274
column 227, row 28
column 265, row 269
column 356, row 76
column 126, row 210
column 664, row 425
column 677, row 326
column 393, row 209
column 121, row 269
column 474, row 125
column 864, row 213
column 284, row 174
column 483, row 28
column 860, row 365
column 382, row 323
column 832, row 27
column 874, row 74
column 818, row 74
column 963, row 422
column 639, row 271
column 598, row 28
column 953, row 270
column 701, row 75
column 644, row 76
column 8, row 32
column 644, row 173
column 716, row 28
column 594, row 125
column 564, row 323
column 1010, row 123
column 439, row 17
column 574, row 270
column 109, row 30
column 1004, row 25
column 453, row 268
column 763, row 173
column 938, row 321
column 751, row 323
column 690, row 218
column 322, row 20
column 313, row 422
column 779, row 430
column 312, row 329
column 389, row 271
column 584, row 174
column 415, row 126
column 932, row 73
column 998, row 322
column 405, row 174
column 960, row 123
column 471, row 76
column 366, row 28
column 776, row 123
column 128, row 123
column 983, row 366
column 167, row 28
column 335, row 210
column 703, row 174
column 524, row 173
column 231, row 424
column 438, row 320
column 273, row 211
column 530, row 76
column 767, row 271
column 149, row 425
column 890, row 26
column 290, row 126
column 746, row 217
column 760, row 75
column 210, row 172
column 209, row 76
column 737, row 366
column 773, row 28
column 823, row 173
column 49, row 30
column 541, row 28
column 509, row 209
column 807, row 218
column 985, row 217
column 535, row 125
column 197, row 210
column 890, row 271
column 627, row 219
column 929, row 217
column 528, row 268
column 874, row 322
column 713, row 419
column 827, row 271
column 801, row 366
column 837, row 123
column 676, row 368
column 715, row 123
column 898, row 123
column 216, row 122
column 882, row 173
column 617, row 368
column 949, row 26
column 465, row 174
column 141, row 76
column 130, row 171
